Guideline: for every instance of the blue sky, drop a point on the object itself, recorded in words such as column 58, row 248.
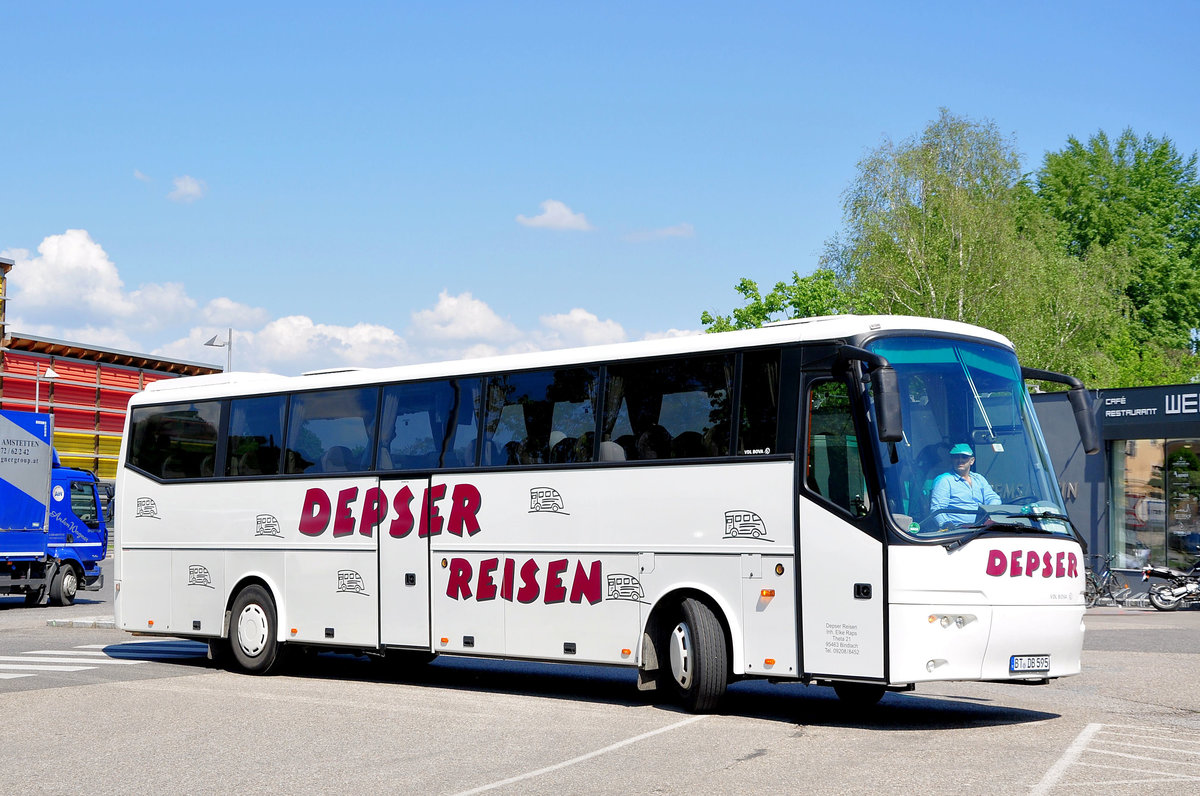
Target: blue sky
column 373, row 183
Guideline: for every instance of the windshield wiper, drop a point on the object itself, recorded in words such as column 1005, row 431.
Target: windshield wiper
column 980, row 530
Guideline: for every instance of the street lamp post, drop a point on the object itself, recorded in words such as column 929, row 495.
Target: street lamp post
column 228, row 346
column 49, row 373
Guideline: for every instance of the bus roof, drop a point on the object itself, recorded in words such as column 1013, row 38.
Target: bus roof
column 832, row 327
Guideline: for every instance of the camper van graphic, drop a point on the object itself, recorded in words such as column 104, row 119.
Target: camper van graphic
column 543, row 498
column 624, row 587
column 198, row 576
column 266, row 525
column 740, row 524
column 350, row 581
column 145, row 507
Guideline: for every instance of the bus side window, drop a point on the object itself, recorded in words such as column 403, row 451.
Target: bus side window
column 544, row 417
column 332, row 431
column 759, row 421
column 175, row 441
column 834, row 467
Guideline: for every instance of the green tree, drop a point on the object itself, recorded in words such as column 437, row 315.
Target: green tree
column 1089, row 269
column 804, row 297
column 1136, row 197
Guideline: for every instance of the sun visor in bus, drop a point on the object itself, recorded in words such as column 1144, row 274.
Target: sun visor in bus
column 1081, row 404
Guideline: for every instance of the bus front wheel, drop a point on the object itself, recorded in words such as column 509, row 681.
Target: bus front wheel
column 252, row 630
column 697, row 659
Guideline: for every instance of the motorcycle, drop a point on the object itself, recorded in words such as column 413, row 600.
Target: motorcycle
column 1179, row 586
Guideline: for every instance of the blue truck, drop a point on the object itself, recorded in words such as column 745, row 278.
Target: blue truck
column 53, row 533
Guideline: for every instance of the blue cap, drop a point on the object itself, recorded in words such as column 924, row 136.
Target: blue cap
column 962, row 449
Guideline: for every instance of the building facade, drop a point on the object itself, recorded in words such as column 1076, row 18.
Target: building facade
column 1140, row 498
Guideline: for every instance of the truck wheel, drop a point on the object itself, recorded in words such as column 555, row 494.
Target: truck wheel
column 252, row 630
column 64, row 586
column 697, row 660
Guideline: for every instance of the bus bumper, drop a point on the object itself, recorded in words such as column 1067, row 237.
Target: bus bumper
column 1018, row 643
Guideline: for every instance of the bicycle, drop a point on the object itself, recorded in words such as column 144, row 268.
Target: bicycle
column 1108, row 584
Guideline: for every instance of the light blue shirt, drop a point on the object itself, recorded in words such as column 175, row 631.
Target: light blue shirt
column 953, row 500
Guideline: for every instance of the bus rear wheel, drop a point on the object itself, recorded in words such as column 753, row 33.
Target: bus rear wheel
column 697, row 659
column 252, row 630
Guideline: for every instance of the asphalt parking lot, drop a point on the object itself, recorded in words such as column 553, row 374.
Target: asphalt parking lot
column 336, row 723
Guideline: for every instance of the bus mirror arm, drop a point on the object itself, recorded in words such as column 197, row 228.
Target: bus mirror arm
column 885, row 387
column 1081, row 404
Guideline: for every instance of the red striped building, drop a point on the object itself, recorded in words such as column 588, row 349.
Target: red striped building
column 88, row 393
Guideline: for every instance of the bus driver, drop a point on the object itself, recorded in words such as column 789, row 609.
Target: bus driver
column 957, row 495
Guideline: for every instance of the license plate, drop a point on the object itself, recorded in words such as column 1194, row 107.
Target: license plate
column 1028, row 663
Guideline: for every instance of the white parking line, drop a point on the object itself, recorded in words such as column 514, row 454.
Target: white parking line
column 13, row 675
column 90, row 661
column 581, row 758
column 41, row 667
column 1068, row 757
column 1098, row 750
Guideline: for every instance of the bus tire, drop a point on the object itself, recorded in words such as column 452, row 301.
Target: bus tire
column 64, row 586
column 697, row 661
column 252, row 630
column 859, row 696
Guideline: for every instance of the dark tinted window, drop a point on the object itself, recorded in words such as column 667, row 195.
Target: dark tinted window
column 83, row 503
column 332, row 431
column 834, row 469
column 760, row 403
column 178, row 441
column 547, row 417
column 255, row 434
column 429, row 425
column 671, row 409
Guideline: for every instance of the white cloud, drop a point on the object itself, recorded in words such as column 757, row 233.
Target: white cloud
column 579, row 328
column 684, row 230
column 297, row 340
column 71, row 290
column 137, row 175
column 461, row 317
column 669, row 333
column 556, row 215
column 187, row 189
column 70, row 270
column 227, row 312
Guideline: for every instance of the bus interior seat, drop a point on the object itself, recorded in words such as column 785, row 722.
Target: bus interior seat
column 654, row 443
column 337, row 459
column 689, row 445
column 564, row 450
column 174, row 467
column 611, row 452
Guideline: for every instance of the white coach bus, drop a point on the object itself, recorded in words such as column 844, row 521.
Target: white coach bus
column 388, row 511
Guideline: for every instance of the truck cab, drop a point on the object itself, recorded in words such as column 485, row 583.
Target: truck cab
column 78, row 534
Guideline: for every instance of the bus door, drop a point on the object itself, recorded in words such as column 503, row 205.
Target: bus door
column 403, row 565
column 841, row 557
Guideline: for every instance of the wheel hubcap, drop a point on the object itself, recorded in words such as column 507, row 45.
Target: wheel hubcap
column 681, row 655
column 69, row 584
column 252, row 630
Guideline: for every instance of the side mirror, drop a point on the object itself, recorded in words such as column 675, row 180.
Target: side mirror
column 1081, row 404
column 885, row 386
column 885, row 390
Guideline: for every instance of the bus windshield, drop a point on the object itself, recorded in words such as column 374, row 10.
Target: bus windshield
column 972, row 458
